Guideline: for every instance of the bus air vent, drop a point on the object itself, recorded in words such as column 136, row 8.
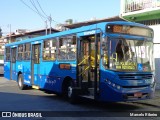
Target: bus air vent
column 135, row 76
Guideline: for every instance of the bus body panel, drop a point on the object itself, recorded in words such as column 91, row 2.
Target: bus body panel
column 25, row 69
column 7, row 70
column 128, row 88
column 14, row 73
column 52, row 76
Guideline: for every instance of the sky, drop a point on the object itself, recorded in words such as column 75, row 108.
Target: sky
column 21, row 14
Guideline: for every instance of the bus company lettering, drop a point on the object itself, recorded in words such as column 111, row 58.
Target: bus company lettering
column 52, row 82
column 90, row 32
column 126, row 65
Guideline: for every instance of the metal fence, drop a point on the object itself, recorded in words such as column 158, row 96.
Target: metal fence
column 135, row 5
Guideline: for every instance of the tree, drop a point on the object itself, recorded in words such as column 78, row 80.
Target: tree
column 0, row 32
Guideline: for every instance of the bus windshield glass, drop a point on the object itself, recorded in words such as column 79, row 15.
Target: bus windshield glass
column 128, row 55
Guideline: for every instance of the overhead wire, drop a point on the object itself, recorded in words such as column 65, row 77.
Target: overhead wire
column 42, row 17
column 38, row 12
column 41, row 9
column 34, row 5
column 45, row 13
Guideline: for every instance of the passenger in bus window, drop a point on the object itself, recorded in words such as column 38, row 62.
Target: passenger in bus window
column 122, row 50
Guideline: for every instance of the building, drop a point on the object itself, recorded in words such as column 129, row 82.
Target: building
column 24, row 34
column 90, row 22
column 70, row 25
column 146, row 12
column 2, row 43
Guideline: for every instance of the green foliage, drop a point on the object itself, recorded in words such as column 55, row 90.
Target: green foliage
column 0, row 32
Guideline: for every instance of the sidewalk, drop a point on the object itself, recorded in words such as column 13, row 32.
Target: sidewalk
column 157, row 93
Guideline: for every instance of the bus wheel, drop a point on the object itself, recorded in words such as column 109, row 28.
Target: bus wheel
column 20, row 82
column 71, row 94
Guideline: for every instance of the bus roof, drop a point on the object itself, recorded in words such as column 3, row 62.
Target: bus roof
column 77, row 30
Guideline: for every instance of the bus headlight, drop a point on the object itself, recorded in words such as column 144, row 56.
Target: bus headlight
column 113, row 84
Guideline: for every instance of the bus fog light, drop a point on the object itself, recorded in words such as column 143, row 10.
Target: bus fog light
column 118, row 87
column 109, row 82
column 113, row 85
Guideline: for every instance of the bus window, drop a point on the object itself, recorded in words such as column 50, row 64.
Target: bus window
column 49, row 49
column 20, row 52
column 27, row 51
column 105, row 52
column 71, row 53
column 8, row 54
column 37, row 54
column 13, row 55
column 67, row 48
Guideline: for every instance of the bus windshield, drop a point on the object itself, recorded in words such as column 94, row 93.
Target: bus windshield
column 128, row 55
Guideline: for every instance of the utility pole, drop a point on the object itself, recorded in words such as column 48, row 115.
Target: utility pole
column 46, row 26
column 10, row 33
column 50, row 22
column 0, row 32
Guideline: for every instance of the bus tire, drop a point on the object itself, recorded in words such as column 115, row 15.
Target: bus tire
column 21, row 82
column 71, row 95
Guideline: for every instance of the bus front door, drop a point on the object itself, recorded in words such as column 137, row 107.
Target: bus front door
column 35, row 64
column 13, row 64
column 88, row 65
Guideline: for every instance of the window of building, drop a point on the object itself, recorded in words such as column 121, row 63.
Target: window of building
column 49, row 49
column 27, row 51
column 151, row 22
column 20, row 52
column 8, row 54
column 67, row 48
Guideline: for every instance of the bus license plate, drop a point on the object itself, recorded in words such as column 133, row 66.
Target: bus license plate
column 138, row 94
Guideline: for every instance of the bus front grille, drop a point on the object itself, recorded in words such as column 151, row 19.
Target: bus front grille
column 135, row 76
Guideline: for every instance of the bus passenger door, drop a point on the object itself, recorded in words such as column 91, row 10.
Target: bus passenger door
column 35, row 64
column 13, row 64
column 88, row 64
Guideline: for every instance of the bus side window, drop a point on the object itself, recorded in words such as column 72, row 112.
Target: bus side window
column 27, row 51
column 67, row 48
column 71, row 54
column 20, row 52
column 7, row 58
column 105, row 53
column 49, row 49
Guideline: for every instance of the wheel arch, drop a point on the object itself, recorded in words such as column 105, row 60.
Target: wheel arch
column 65, row 83
column 18, row 74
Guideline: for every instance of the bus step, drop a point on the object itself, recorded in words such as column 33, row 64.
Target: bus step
column 87, row 96
column 91, row 91
column 35, row 87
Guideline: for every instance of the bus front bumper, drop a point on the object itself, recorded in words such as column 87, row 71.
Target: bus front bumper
column 110, row 94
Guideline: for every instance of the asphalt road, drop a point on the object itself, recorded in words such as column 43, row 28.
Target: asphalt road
column 13, row 99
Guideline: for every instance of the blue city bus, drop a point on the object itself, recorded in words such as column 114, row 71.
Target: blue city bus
column 108, row 61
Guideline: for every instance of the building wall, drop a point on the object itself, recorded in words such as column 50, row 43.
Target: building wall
column 156, row 29
column 2, row 50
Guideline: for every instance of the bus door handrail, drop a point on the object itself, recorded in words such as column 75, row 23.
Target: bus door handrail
column 83, row 60
column 84, row 70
